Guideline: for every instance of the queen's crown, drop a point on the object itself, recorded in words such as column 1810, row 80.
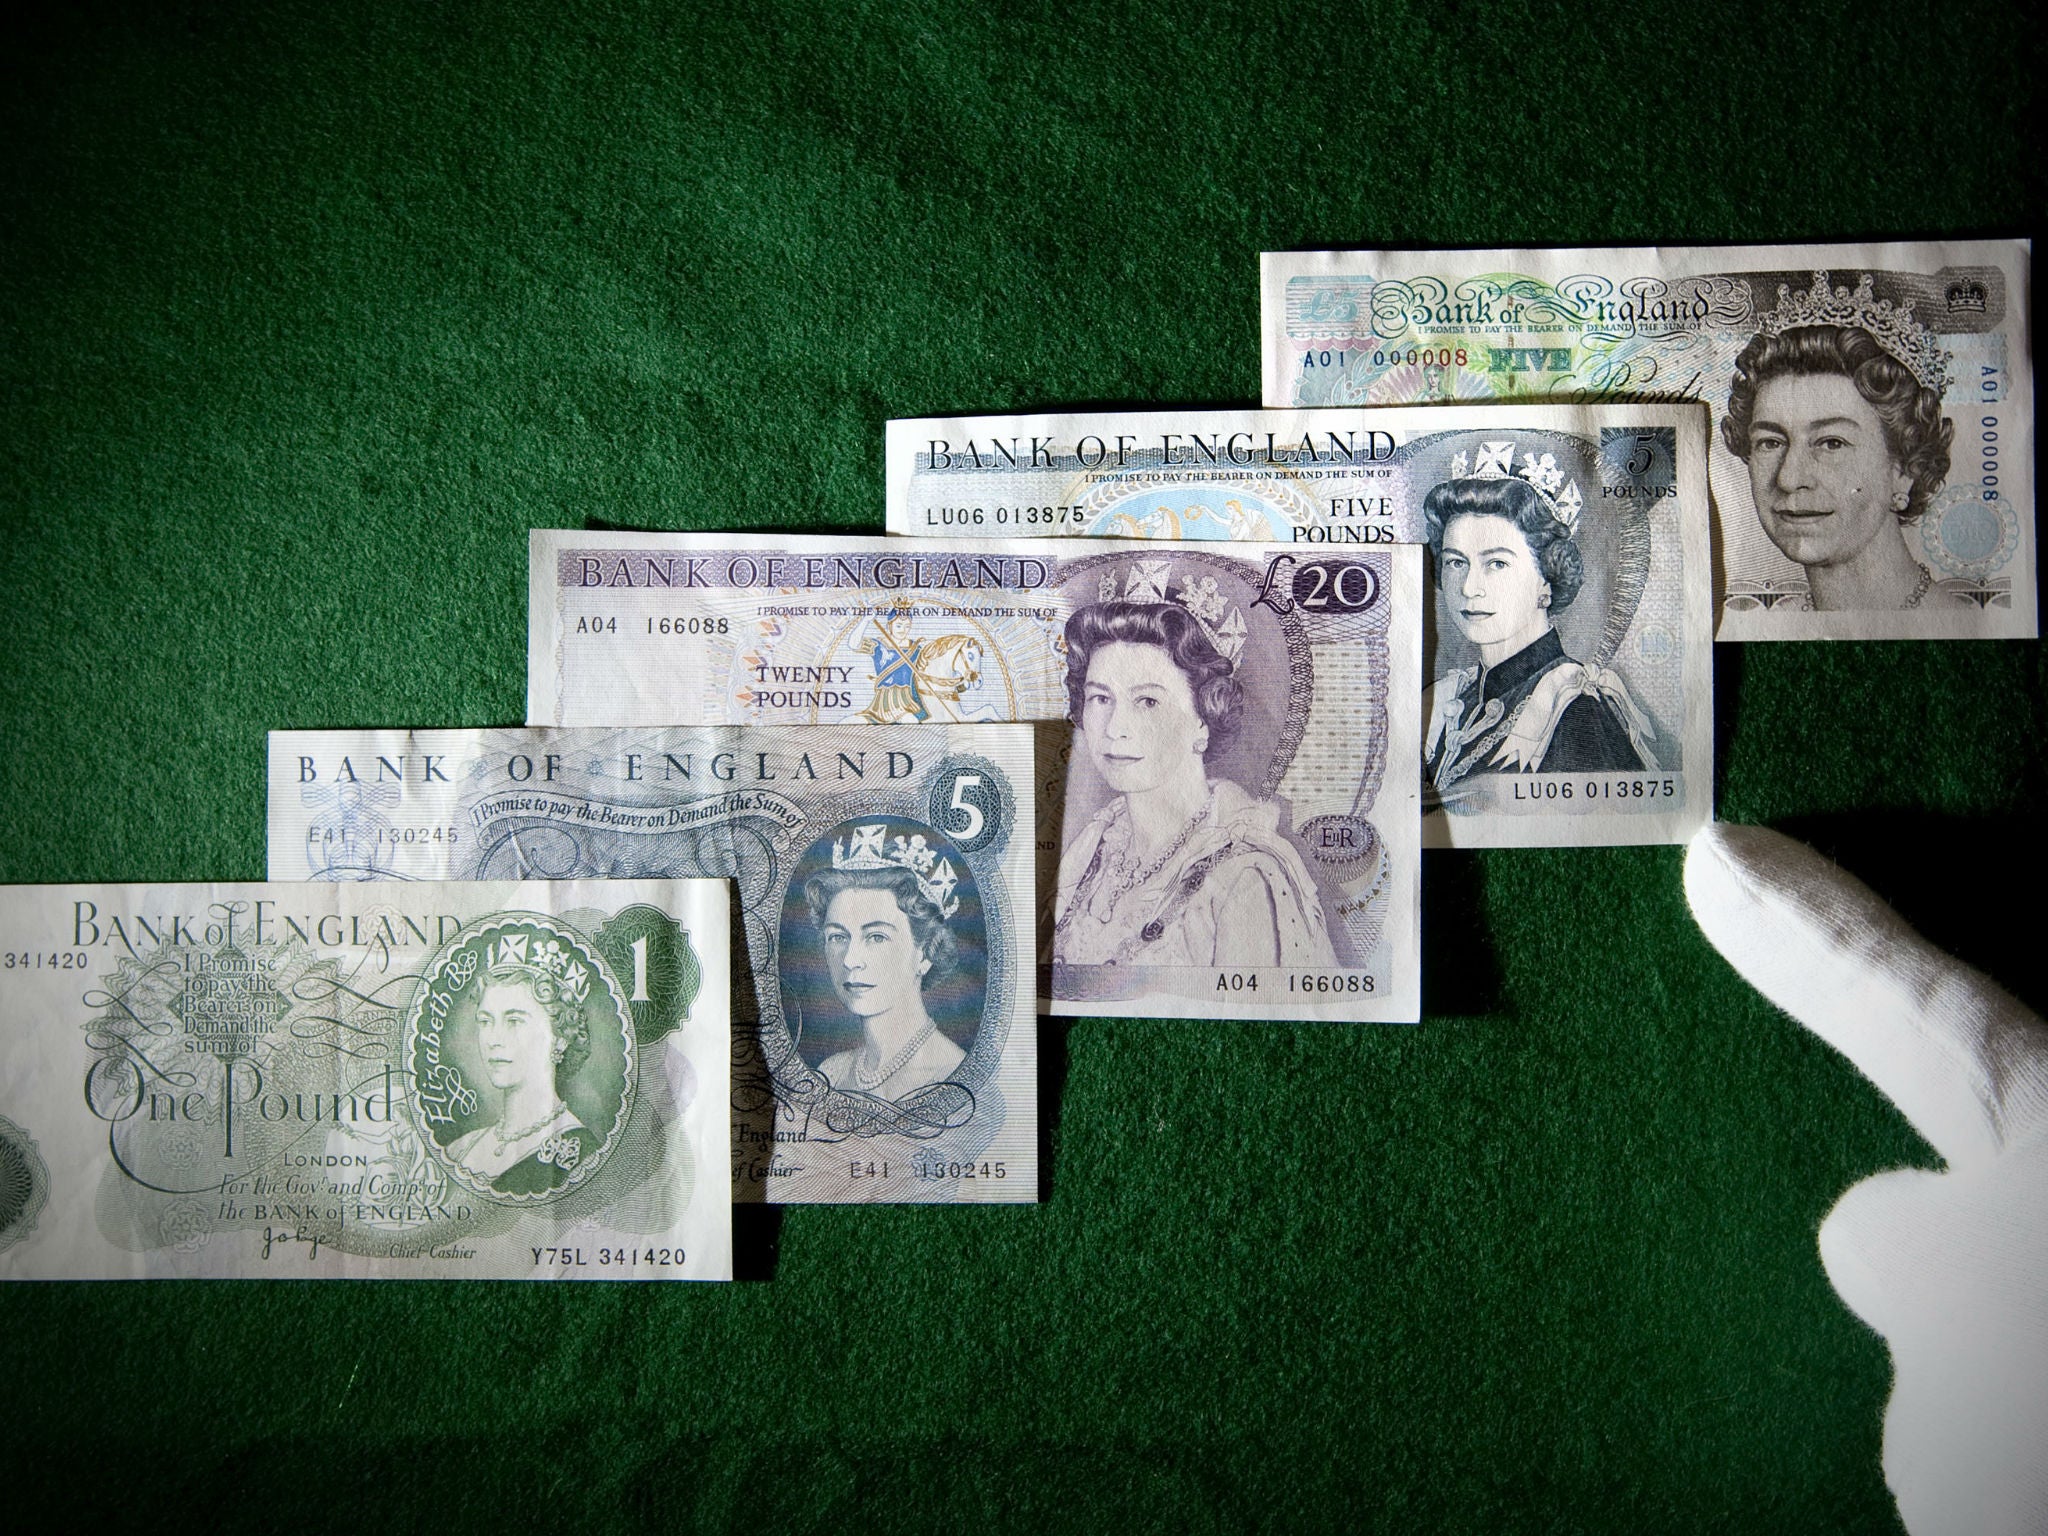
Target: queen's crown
column 1497, row 462
column 873, row 848
column 1967, row 296
column 1149, row 582
column 547, row 957
column 1890, row 325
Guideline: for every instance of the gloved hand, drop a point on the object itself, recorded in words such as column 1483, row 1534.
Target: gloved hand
column 1951, row 1268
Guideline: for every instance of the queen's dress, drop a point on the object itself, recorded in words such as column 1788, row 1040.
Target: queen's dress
column 1538, row 711
column 538, row 1160
column 1231, row 892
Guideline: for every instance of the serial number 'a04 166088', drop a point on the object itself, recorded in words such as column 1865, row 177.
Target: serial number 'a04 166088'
column 1300, row 983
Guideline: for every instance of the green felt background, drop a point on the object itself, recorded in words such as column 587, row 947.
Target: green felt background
column 311, row 310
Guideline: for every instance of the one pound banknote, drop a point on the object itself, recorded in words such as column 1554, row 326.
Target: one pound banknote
column 885, row 1044
column 1568, row 637
column 1233, row 825
column 492, row 1081
column 1872, row 451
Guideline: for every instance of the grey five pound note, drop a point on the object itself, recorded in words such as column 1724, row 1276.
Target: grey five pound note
column 885, row 1044
column 1569, row 656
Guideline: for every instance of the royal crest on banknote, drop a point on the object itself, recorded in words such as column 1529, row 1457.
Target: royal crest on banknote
column 887, row 1032
column 1872, row 455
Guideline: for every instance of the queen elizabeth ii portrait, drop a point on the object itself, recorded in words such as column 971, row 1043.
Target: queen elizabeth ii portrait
column 1180, row 867
column 881, row 916
column 533, row 1038
column 1502, row 538
column 1836, row 410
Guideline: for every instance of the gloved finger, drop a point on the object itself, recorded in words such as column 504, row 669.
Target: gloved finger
column 1959, row 1056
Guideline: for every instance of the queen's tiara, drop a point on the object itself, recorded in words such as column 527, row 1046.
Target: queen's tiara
column 1890, row 325
column 873, row 848
column 517, row 951
column 1221, row 620
column 1497, row 462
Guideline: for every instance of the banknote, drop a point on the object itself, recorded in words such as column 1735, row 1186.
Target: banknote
column 885, row 1027
column 1235, row 824
column 512, row 1081
column 1872, row 449
column 1570, row 697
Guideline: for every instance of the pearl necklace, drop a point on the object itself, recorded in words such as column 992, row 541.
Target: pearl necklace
column 505, row 1139
column 864, row 1080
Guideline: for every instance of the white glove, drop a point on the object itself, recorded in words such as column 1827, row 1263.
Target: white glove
column 1951, row 1268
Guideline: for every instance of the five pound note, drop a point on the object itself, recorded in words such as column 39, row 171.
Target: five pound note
column 885, row 1044
column 1235, row 832
column 1872, row 451
column 1569, row 645
column 495, row 1081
